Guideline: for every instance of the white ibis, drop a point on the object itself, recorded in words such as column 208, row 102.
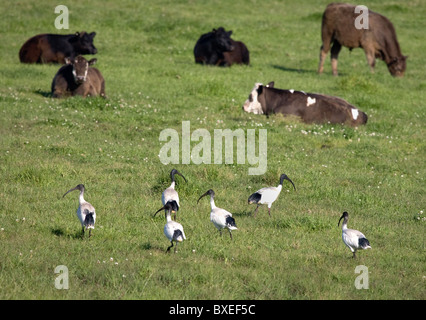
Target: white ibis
column 220, row 217
column 172, row 230
column 353, row 239
column 170, row 195
column 85, row 212
column 268, row 195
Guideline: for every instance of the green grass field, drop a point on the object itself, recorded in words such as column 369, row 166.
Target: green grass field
column 375, row 172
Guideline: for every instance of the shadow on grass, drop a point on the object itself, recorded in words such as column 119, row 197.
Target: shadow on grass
column 245, row 213
column 61, row 233
column 286, row 69
column 46, row 94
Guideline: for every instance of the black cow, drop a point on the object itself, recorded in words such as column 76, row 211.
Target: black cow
column 310, row 107
column 210, row 47
column 54, row 48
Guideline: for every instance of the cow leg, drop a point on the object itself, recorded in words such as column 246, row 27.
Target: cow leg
column 371, row 59
column 335, row 49
column 103, row 94
column 323, row 54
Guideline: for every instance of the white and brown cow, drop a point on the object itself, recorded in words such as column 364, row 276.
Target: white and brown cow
column 78, row 78
column 310, row 107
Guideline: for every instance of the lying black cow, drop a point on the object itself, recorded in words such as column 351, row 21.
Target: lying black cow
column 54, row 48
column 310, row 107
column 217, row 48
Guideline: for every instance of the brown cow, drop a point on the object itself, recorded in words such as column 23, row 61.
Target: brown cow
column 239, row 55
column 378, row 40
column 77, row 78
column 310, row 107
column 54, row 48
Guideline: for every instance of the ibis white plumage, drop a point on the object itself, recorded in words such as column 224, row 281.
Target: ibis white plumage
column 268, row 195
column 220, row 217
column 170, row 195
column 172, row 230
column 353, row 239
column 85, row 212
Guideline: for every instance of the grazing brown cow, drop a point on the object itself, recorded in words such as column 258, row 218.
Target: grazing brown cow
column 54, row 48
column 378, row 40
column 310, row 107
column 77, row 78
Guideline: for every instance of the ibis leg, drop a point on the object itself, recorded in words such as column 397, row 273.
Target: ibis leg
column 269, row 211
column 230, row 233
column 255, row 211
column 168, row 249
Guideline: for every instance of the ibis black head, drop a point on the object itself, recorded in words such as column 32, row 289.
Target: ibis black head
column 168, row 207
column 285, row 177
column 344, row 216
column 172, row 175
column 79, row 187
column 209, row 192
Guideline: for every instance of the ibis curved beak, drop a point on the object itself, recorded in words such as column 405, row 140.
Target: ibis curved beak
column 69, row 191
column 340, row 220
column 173, row 172
column 159, row 210
column 208, row 192
column 181, row 175
column 288, row 179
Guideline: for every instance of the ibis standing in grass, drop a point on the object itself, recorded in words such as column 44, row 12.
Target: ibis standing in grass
column 172, row 230
column 268, row 195
column 170, row 195
column 85, row 212
column 353, row 239
column 220, row 217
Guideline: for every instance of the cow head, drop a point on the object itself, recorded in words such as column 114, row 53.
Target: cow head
column 80, row 68
column 83, row 42
column 252, row 104
column 397, row 66
column 223, row 40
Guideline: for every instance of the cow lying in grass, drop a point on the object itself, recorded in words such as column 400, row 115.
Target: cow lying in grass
column 54, row 48
column 310, row 107
column 217, row 48
column 78, row 78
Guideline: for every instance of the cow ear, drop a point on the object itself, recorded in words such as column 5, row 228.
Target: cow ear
column 67, row 60
column 229, row 33
column 92, row 61
column 92, row 35
column 271, row 84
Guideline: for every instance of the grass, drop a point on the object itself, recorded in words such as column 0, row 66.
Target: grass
column 375, row 172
